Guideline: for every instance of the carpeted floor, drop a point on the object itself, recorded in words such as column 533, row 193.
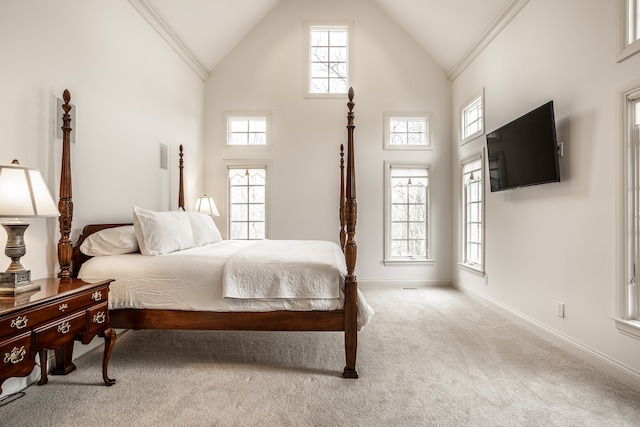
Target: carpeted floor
column 430, row 357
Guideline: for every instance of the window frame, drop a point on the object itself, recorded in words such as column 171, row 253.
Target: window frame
column 464, row 262
column 629, row 21
column 627, row 315
column 388, row 116
column 308, row 26
column 250, row 164
column 464, row 137
column 230, row 115
column 405, row 260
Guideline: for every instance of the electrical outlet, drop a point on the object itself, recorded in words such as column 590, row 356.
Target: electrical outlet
column 560, row 309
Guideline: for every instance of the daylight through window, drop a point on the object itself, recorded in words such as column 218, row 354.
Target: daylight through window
column 472, row 193
column 408, row 131
column 247, row 203
column 472, row 119
column 408, row 190
column 328, row 59
column 246, row 131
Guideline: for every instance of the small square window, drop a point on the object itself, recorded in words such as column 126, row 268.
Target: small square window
column 629, row 11
column 472, row 118
column 247, row 129
column 406, row 131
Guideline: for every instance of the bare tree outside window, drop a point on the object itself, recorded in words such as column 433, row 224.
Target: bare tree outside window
column 328, row 59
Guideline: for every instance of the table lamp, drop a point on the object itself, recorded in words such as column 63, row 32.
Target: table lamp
column 206, row 205
column 23, row 194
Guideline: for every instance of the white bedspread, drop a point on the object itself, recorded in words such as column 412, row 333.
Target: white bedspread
column 192, row 280
column 285, row 269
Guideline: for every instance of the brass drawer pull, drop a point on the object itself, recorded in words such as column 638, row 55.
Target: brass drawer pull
column 64, row 327
column 99, row 317
column 63, row 307
column 16, row 355
column 96, row 296
column 19, row 322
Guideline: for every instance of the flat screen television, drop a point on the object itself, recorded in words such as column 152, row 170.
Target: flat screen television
column 525, row 151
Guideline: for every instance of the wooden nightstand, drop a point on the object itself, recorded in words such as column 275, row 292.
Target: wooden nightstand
column 52, row 318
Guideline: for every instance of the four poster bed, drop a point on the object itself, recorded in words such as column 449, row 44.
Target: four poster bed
column 171, row 297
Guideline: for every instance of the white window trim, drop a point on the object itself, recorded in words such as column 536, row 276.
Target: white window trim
column 387, row 131
column 307, row 60
column 249, row 164
column 626, row 312
column 465, row 106
column 247, row 114
column 625, row 49
column 463, row 232
column 388, row 260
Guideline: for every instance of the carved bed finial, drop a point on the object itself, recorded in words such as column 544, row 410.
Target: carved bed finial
column 65, row 203
column 181, row 184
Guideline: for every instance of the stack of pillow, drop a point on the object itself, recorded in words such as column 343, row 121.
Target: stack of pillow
column 154, row 233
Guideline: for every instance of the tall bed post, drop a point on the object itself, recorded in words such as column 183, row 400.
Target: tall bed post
column 343, row 231
column 65, row 204
column 181, row 189
column 350, row 251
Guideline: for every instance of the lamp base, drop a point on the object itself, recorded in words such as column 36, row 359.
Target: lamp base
column 16, row 282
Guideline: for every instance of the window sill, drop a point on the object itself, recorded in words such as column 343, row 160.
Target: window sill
column 628, row 327
column 474, row 268
column 417, row 261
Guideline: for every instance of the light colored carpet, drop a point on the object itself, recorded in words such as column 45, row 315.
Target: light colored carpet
column 430, row 357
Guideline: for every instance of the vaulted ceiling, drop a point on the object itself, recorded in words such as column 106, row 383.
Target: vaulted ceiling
column 203, row 32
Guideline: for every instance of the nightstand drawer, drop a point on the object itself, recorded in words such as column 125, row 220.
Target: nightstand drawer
column 15, row 356
column 70, row 304
column 57, row 333
column 97, row 318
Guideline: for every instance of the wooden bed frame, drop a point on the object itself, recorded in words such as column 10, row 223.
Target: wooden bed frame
column 70, row 259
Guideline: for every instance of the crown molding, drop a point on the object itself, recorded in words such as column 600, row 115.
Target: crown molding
column 492, row 32
column 165, row 32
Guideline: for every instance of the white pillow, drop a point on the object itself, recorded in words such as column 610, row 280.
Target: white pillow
column 203, row 228
column 111, row 241
column 162, row 232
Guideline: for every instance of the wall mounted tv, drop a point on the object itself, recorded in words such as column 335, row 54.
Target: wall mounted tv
column 525, row 151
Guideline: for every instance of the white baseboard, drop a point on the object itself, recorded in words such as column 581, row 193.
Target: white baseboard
column 394, row 283
column 612, row 367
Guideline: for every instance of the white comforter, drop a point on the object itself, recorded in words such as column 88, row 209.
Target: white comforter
column 192, row 280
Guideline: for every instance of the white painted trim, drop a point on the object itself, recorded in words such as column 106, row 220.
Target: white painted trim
column 169, row 36
column 625, row 49
column 492, row 32
column 395, row 283
column 612, row 367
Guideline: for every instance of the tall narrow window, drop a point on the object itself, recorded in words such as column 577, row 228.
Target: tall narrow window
column 328, row 59
column 472, row 213
column 472, row 118
column 247, row 203
column 629, row 28
column 407, row 195
column 406, row 131
column 628, row 309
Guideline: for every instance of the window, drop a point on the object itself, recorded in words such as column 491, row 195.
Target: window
column 328, row 68
column 472, row 213
column 247, row 129
column 406, row 131
column 629, row 28
column 406, row 225
column 628, row 312
column 472, row 118
column 247, row 202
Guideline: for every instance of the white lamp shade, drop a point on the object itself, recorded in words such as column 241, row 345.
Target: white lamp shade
column 206, row 205
column 24, row 194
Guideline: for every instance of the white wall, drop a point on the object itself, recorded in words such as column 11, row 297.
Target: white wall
column 131, row 91
column 555, row 242
column 266, row 72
